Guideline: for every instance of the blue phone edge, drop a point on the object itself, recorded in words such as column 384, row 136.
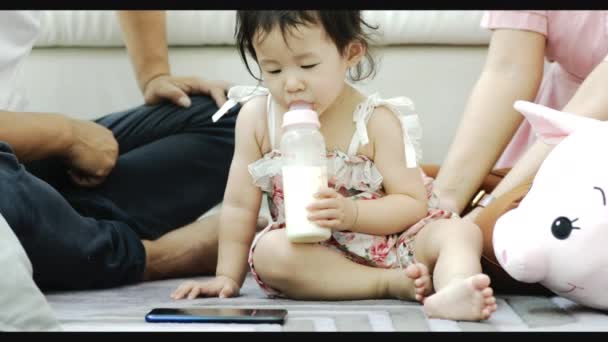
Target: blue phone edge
column 160, row 318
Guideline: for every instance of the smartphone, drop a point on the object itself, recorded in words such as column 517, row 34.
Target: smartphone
column 216, row 315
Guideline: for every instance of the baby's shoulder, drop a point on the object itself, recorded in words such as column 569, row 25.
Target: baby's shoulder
column 252, row 118
column 254, row 109
column 382, row 120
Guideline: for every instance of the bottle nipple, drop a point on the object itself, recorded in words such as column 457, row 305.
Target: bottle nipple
column 300, row 105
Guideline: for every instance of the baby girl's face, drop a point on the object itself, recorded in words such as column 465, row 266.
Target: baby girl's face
column 302, row 65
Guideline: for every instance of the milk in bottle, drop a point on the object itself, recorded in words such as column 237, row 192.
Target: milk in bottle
column 304, row 172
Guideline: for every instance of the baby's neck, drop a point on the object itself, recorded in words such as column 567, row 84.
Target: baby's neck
column 344, row 105
column 337, row 124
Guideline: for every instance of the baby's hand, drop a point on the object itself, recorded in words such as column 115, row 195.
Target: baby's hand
column 221, row 286
column 332, row 210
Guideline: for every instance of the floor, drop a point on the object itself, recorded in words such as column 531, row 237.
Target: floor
column 123, row 309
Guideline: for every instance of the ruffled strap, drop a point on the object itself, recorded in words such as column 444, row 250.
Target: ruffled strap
column 239, row 94
column 410, row 125
column 263, row 170
column 354, row 172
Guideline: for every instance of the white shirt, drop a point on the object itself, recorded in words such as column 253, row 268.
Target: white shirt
column 18, row 33
column 24, row 306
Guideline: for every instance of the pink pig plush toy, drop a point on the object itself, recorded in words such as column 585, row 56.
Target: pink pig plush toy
column 558, row 235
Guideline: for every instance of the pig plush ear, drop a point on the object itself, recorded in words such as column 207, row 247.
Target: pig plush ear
column 549, row 124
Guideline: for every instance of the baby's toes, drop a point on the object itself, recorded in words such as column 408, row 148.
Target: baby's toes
column 420, row 290
column 485, row 313
column 421, row 299
column 413, row 271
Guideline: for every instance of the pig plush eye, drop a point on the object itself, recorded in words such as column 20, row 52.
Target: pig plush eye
column 562, row 227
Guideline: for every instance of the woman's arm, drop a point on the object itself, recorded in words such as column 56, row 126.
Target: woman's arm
column 405, row 202
column 590, row 100
column 242, row 198
column 513, row 71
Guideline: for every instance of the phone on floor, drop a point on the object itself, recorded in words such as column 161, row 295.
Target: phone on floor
column 216, row 315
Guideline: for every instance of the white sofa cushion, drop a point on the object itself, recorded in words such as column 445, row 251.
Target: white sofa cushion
column 80, row 67
column 429, row 27
column 193, row 28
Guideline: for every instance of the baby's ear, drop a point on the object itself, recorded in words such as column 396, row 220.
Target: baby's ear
column 549, row 124
column 355, row 51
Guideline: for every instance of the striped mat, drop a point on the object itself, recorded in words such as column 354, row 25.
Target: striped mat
column 124, row 308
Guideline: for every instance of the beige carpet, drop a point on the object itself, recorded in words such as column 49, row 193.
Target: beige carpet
column 123, row 309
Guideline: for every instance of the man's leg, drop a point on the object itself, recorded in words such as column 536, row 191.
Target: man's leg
column 67, row 250
column 23, row 305
column 173, row 167
column 173, row 163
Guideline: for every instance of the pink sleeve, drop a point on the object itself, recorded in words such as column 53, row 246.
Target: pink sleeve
column 522, row 20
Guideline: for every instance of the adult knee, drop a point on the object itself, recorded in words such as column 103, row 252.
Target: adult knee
column 273, row 257
column 9, row 164
column 198, row 115
column 11, row 186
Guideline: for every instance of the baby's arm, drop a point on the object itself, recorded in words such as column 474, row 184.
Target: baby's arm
column 405, row 202
column 239, row 212
column 242, row 198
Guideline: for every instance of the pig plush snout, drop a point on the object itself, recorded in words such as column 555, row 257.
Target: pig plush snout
column 520, row 255
column 526, row 263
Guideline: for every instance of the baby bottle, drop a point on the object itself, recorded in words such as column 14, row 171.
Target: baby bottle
column 304, row 172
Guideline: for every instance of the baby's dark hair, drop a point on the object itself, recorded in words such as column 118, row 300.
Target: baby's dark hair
column 342, row 27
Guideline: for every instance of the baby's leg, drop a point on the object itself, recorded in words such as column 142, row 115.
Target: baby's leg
column 315, row 272
column 452, row 249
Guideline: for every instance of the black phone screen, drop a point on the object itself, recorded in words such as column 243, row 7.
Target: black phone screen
column 216, row 315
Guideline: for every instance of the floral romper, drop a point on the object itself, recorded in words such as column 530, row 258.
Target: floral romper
column 353, row 176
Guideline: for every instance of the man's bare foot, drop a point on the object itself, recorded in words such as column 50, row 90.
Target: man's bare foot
column 419, row 273
column 469, row 299
column 186, row 251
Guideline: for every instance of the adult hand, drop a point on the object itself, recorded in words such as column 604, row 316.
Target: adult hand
column 92, row 154
column 176, row 89
column 220, row 286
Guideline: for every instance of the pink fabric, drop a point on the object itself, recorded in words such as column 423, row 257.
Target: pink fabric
column 577, row 41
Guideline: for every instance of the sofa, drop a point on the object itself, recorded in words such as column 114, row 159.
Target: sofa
column 79, row 67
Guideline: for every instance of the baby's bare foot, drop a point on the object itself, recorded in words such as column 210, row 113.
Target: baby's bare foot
column 419, row 273
column 408, row 285
column 469, row 299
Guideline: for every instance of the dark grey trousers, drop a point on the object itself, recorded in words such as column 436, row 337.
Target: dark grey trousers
column 173, row 166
